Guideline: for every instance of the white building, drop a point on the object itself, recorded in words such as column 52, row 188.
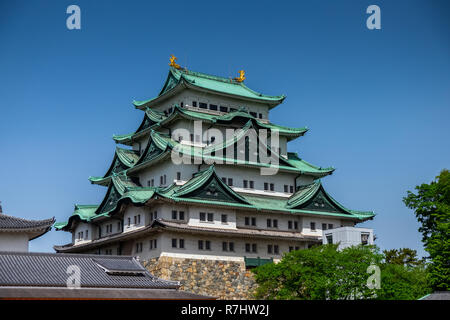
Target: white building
column 348, row 236
column 15, row 233
column 217, row 204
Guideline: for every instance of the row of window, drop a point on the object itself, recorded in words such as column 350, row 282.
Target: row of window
column 83, row 235
column 136, row 219
column 215, row 107
column 324, row 226
column 177, row 215
column 228, row 246
column 209, row 217
column 153, row 244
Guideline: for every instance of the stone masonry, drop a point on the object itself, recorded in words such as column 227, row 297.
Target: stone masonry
column 217, row 278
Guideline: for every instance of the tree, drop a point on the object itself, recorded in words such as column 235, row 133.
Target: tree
column 404, row 256
column 320, row 272
column 402, row 282
column 431, row 205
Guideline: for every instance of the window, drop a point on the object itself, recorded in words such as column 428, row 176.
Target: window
column 155, row 215
column 174, row 214
column 247, row 221
column 272, row 187
column 119, row 226
column 247, row 247
column 291, row 189
column 224, row 218
column 181, row 243
column 178, row 175
column 230, row 182
column 276, row 249
column 329, row 238
column 269, row 248
column 202, row 216
column 275, row 223
column 138, row 247
column 152, row 182
column 289, row 224
column 252, row 184
column 260, row 116
column 295, row 224
column 223, row 109
column 324, row 226
column 135, row 220
column 253, row 221
column 210, row 217
column 330, row 226
column 194, row 103
column 203, row 105
column 291, row 249
column 364, row 238
column 245, row 183
column 182, row 104
column 174, row 243
column 208, row 245
column 181, row 215
column 254, row 247
column 200, row 244
column 227, row 246
column 253, row 114
column 129, row 221
column 313, row 226
column 192, row 137
column 165, row 180
column 269, row 223
column 224, row 180
column 152, row 244
column 148, row 183
column 161, row 180
column 213, row 107
column 138, row 220
column 266, row 186
column 286, row 188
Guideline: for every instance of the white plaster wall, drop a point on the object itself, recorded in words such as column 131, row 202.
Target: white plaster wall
column 16, row 242
column 169, row 169
column 318, row 221
column 240, row 173
column 194, row 218
column 83, row 227
column 131, row 212
column 261, row 221
column 348, row 236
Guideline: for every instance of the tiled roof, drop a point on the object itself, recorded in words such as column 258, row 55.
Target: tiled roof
column 50, row 270
column 14, row 224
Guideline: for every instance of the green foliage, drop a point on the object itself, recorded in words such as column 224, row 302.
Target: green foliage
column 400, row 282
column 404, row 256
column 431, row 205
column 320, row 272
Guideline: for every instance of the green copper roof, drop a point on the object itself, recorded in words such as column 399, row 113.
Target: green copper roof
column 81, row 212
column 205, row 187
column 123, row 159
column 210, row 83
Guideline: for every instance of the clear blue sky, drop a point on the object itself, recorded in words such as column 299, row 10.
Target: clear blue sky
column 377, row 102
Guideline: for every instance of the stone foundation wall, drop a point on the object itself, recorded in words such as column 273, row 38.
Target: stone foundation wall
column 217, row 278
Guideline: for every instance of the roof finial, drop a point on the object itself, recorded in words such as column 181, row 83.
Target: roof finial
column 241, row 76
column 173, row 63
